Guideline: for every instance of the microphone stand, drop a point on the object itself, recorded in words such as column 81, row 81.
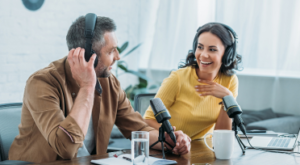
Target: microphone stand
column 242, row 145
column 161, row 138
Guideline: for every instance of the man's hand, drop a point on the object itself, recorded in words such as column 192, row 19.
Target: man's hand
column 83, row 72
column 183, row 142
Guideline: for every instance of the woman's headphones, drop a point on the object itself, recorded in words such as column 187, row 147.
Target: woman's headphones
column 230, row 52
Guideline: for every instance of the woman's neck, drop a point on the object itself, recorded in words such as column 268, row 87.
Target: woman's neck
column 205, row 75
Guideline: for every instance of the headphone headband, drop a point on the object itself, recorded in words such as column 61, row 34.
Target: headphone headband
column 233, row 39
column 229, row 29
column 90, row 22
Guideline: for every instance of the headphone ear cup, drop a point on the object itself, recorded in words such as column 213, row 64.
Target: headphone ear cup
column 96, row 61
column 195, row 45
column 228, row 56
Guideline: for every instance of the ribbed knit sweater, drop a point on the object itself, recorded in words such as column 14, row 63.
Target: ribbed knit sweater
column 193, row 114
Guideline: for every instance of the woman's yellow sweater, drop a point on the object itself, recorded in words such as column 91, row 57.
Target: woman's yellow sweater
column 193, row 114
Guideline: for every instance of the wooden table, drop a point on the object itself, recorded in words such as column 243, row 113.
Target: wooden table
column 200, row 155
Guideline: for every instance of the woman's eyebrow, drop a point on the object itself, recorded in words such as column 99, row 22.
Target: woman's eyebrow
column 212, row 46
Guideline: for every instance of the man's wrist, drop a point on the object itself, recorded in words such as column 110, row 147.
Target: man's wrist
column 89, row 89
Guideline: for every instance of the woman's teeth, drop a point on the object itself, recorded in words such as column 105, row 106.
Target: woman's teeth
column 205, row 63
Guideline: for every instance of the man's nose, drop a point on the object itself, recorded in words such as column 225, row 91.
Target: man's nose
column 117, row 55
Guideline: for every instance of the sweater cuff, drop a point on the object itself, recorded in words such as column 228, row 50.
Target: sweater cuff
column 147, row 128
column 70, row 128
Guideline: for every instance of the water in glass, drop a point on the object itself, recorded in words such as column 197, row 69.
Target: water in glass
column 140, row 148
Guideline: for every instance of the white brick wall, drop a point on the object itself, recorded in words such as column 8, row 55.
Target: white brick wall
column 31, row 40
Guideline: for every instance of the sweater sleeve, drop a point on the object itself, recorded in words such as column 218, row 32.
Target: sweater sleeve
column 167, row 93
column 127, row 119
column 234, row 85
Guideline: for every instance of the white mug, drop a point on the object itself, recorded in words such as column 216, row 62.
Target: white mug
column 223, row 141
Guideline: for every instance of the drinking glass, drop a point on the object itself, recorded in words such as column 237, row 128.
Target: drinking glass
column 139, row 147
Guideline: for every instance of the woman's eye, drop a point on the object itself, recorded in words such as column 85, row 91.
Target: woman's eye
column 200, row 47
column 213, row 50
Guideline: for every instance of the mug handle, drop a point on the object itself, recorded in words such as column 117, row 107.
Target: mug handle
column 206, row 143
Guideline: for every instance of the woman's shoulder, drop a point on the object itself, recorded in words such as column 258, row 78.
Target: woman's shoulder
column 179, row 74
column 184, row 71
column 225, row 79
column 228, row 76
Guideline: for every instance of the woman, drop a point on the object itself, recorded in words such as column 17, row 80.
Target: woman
column 193, row 94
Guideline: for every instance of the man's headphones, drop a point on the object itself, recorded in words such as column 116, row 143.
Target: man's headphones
column 90, row 22
column 230, row 52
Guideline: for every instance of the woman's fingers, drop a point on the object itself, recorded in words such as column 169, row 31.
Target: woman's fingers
column 205, row 89
column 206, row 94
column 206, row 81
column 213, row 89
column 202, row 86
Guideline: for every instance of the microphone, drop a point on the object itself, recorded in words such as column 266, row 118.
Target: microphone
column 234, row 111
column 162, row 115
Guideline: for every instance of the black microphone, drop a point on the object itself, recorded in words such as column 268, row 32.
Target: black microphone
column 234, row 111
column 162, row 115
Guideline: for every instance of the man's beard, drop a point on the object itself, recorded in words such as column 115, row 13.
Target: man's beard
column 103, row 73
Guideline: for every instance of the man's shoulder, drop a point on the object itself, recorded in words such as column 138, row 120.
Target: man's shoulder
column 54, row 71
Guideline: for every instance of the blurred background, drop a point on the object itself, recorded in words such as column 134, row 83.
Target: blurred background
column 154, row 36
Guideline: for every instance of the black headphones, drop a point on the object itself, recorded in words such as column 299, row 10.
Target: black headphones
column 230, row 52
column 90, row 22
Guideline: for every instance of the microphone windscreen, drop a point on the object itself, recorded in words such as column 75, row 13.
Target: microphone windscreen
column 229, row 101
column 157, row 105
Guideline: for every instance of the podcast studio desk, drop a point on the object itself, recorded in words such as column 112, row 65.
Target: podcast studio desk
column 200, row 155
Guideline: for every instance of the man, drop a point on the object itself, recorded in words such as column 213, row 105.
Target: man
column 64, row 117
